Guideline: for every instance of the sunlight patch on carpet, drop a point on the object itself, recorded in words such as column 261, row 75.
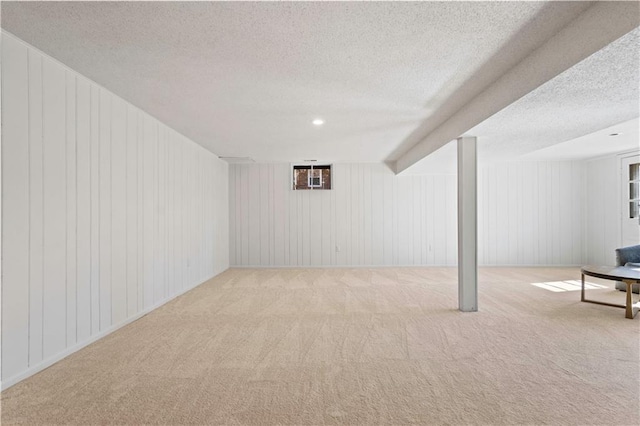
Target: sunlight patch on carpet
column 570, row 285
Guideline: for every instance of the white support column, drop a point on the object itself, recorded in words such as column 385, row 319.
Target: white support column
column 467, row 225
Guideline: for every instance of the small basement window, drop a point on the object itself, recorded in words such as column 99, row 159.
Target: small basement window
column 311, row 176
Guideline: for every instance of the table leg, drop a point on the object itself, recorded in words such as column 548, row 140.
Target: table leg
column 630, row 310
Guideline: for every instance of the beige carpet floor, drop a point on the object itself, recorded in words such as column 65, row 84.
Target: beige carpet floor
column 353, row 346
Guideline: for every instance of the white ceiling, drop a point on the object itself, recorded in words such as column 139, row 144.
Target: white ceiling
column 245, row 79
column 617, row 138
column 592, row 145
column 568, row 117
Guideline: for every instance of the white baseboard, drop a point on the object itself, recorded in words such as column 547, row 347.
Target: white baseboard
column 395, row 266
column 6, row 384
column 334, row 266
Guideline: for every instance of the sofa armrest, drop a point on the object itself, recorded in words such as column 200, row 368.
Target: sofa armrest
column 628, row 254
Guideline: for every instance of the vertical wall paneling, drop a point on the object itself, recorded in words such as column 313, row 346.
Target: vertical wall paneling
column 200, row 206
column 160, row 261
column 191, row 223
column 530, row 184
column 544, row 208
column 501, row 212
column 565, row 245
column 106, row 212
column 325, row 218
column 350, row 229
column 512, row 210
column 416, row 240
column 302, row 215
column 339, row 216
column 179, row 259
column 440, row 219
column 156, row 244
column 170, row 224
column 15, row 207
column 264, row 217
column 272, row 234
column 366, row 213
column 83, row 209
column 279, row 187
column 140, row 204
column 577, row 226
column 603, row 210
column 377, row 216
column 94, row 150
column 372, row 217
column 554, row 243
column 36, row 207
column 244, row 214
column 387, row 218
column 148, row 213
column 233, row 246
column 118, row 157
column 131, row 210
column 71, row 209
column 404, row 216
column 332, row 229
column 55, row 215
column 354, row 197
column 452, row 221
column 285, row 184
column 395, row 220
column 105, row 208
column 314, row 239
column 201, row 213
column 220, row 202
column 292, row 252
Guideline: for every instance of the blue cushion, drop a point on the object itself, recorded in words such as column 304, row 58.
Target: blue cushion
column 628, row 254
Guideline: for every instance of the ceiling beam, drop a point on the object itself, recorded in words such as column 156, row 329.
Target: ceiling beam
column 599, row 25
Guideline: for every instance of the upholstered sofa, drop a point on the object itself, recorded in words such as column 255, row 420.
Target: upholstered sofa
column 628, row 256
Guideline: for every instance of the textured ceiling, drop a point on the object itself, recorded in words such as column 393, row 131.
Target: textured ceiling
column 615, row 139
column 600, row 92
column 592, row 145
column 245, row 79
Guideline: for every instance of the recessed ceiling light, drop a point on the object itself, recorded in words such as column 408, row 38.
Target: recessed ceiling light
column 614, row 134
column 318, row 122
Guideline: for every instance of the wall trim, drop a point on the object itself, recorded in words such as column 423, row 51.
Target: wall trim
column 538, row 265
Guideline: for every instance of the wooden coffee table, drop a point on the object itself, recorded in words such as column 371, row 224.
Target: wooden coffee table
column 629, row 276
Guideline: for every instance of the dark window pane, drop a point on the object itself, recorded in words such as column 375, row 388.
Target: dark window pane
column 300, row 178
column 634, row 190
column 634, row 171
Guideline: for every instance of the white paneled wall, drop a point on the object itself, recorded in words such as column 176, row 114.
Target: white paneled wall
column 107, row 213
column 370, row 217
column 529, row 214
column 602, row 210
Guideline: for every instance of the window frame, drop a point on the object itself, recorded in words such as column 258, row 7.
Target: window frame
column 311, row 167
